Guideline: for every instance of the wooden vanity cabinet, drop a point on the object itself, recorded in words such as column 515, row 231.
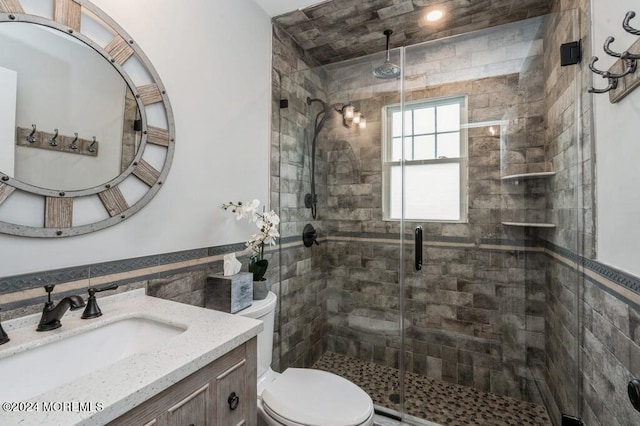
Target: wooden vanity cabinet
column 222, row 393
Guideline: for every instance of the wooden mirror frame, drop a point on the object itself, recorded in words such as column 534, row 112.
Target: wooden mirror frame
column 58, row 205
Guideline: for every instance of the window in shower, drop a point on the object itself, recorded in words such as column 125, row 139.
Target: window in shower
column 435, row 150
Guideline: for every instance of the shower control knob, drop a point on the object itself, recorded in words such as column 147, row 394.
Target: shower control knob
column 309, row 235
column 233, row 401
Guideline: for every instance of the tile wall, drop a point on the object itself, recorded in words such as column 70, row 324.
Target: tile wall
column 470, row 318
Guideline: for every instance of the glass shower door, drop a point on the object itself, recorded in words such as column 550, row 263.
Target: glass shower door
column 340, row 299
column 490, row 130
column 476, row 147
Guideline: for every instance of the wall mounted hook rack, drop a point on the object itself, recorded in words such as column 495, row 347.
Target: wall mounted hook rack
column 621, row 77
column 34, row 138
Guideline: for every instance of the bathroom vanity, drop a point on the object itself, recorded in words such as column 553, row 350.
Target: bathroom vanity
column 222, row 393
column 144, row 361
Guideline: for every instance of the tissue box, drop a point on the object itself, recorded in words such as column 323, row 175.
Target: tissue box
column 229, row 294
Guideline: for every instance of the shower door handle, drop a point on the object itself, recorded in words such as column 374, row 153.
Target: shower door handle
column 418, row 248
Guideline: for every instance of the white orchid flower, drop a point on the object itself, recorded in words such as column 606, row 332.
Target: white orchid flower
column 272, row 217
column 266, row 222
column 249, row 209
column 239, row 213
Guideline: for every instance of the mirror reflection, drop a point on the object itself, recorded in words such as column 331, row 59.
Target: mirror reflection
column 67, row 116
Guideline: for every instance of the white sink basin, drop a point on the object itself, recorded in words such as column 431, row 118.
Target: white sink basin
column 46, row 367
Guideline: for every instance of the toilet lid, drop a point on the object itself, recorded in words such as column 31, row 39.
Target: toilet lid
column 311, row 397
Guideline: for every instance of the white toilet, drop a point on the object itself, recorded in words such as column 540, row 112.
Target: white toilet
column 303, row 396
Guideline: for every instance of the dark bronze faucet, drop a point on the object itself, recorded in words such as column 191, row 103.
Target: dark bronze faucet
column 51, row 314
column 3, row 336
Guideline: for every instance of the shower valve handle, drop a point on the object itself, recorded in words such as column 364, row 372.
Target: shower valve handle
column 309, row 235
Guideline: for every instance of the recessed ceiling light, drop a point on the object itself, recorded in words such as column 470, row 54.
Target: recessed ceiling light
column 434, row 15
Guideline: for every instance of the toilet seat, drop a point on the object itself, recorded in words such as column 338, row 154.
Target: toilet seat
column 308, row 397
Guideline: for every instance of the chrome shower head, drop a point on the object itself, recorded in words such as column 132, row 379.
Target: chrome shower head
column 388, row 69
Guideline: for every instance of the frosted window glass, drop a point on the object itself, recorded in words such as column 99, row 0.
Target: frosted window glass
column 396, row 149
column 449, row 118
column 425, row 121
column 396, row 124
column 408, row 148
column 433, row 192
column 432, row 134
column 408, row 123
column 424, row 147
column 449, row 145
column 395, row 193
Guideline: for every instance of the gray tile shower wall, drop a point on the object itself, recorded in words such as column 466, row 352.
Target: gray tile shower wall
column 561, row 337
column 571, row 206
column 610, row 357
column 300, row 318
column 473, row 316
column 562, row 133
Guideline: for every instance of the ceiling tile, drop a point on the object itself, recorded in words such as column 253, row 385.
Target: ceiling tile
column 342, row 29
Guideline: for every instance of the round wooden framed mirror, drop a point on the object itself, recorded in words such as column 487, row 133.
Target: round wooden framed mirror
column 87, row 134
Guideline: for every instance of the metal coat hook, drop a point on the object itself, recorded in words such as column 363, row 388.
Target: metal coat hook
column 32, row 136
column 607, row 49
column 74, row 143
column 612, row 79
column 92, row 147
column 613, row 84
column 626, row 55
column 53, row 141
column 625, row 24
column 630, row 67
column 628, row 59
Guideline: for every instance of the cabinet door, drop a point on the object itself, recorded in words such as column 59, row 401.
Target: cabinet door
column 191, row 411
column 204, row 396
column 233, row 396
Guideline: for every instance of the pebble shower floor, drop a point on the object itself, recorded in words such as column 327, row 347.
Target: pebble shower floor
column 434, row 400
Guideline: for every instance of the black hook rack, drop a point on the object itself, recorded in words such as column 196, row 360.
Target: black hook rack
column 623, row 69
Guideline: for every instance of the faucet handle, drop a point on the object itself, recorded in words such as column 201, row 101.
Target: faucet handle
column 49, row 288
column 93, row 310
column 94, row 290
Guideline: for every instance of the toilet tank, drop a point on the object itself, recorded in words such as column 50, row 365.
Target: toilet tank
column 263, row 310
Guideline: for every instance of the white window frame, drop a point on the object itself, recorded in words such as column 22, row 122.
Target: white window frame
column 387, row 163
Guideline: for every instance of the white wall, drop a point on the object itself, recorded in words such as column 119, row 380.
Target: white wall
column 214, row 59
column 617, row 127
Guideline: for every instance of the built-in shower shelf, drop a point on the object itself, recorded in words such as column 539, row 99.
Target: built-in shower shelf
column 528, row 175
column 530, row 224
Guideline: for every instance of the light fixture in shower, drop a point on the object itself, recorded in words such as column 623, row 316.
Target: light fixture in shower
column 434, row 15
column 349, row 117
column 359, row 120
column 348, row 113
column 388, row 69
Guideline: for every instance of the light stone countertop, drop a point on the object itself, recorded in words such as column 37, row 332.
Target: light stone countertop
column 125, row 384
